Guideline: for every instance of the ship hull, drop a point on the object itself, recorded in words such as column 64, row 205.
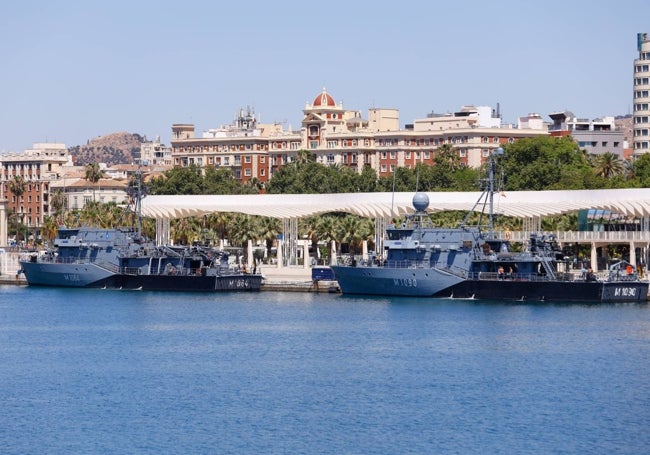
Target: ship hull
column 90, row 275
column 65, row 275
column 193, row 283
column 410, row 282
column 561, row 291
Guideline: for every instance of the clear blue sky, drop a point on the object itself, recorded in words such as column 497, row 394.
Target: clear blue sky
column 74, row 70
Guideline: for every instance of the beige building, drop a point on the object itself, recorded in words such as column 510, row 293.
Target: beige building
column 335, row 135
column 78, row 191
column 154, row 153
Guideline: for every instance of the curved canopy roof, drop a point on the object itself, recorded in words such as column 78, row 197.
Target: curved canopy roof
column 522, row 204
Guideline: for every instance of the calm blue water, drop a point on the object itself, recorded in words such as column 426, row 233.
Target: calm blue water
column 90, row 371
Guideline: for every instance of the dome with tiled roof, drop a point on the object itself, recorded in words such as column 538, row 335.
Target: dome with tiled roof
column 324, row 99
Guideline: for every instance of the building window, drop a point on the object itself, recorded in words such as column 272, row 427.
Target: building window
column 313, row 144
column 247, row 159
column 247, row 172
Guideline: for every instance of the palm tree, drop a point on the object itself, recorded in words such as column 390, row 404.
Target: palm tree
column 269, row 228
column 185, row 230
column 353, row 231
column 243, row 229
column 255, row 183
column 304, row 156
column 58, row 203
column 49, row 228
column 608, row 165
column 447, row 156
column 17, row 186
column 327, row 229
column 93, row 174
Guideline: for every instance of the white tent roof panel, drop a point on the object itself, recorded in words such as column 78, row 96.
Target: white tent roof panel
column 634, row 202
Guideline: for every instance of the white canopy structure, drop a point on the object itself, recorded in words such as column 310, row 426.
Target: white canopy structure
column 522, row 204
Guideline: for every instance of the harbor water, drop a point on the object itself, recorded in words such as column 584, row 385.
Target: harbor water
column 114, row 372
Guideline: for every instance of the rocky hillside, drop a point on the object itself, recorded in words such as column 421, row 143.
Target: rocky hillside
column 115, row 148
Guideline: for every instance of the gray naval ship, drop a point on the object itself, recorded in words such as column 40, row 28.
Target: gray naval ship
column 471, row 263
column 123, row 259
column 420, row 260
column 425, row 261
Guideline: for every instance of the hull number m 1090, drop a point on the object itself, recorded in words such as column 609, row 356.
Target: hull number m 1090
column 624, row 292
column 405, row 282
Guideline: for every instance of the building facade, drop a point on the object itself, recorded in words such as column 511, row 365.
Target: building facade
column 154, row 153
column 26, row 184
column 335, row 135
column 641, row 112
column 595, row 136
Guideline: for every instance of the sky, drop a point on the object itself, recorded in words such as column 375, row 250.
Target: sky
column 73, row 70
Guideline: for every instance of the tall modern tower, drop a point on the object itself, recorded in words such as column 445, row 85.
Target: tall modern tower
column 641, row 126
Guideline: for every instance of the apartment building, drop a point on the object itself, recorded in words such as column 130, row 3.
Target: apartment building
column 155, row 153
column 37, row 168
column 641, row 112
column 595, row 136
column 335, row 135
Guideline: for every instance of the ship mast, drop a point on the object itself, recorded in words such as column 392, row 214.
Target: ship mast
column 498, row 151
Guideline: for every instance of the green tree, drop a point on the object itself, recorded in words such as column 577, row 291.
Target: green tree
column 607, row 165
column 244, row 228
column 268, row 230
column 544, row 163
column 49, row 228
column 642, row 170
column 17, row 186
column 93, row 174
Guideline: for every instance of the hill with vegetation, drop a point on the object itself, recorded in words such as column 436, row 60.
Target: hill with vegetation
column 115, row 148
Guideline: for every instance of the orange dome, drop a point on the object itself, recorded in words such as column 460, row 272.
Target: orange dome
column 324, row 99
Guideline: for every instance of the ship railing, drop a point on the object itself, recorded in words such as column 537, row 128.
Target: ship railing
column 174, row 271
column 535, row 277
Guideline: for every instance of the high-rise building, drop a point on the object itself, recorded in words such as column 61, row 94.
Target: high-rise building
column 641, row 117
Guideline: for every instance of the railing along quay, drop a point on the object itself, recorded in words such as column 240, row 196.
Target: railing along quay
column 580, row 236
